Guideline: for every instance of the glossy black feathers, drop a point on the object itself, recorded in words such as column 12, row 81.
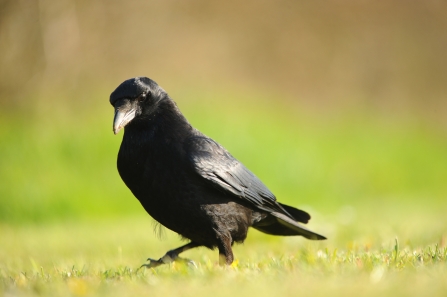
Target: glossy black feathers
column 187, row 181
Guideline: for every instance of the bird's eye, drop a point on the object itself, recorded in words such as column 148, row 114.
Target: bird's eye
column 142, row 97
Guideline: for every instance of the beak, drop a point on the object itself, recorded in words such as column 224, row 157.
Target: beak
column 124, row 113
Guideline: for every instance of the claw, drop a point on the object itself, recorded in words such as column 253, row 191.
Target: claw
column 152, row 263
column 166, row 259
column 172, row 256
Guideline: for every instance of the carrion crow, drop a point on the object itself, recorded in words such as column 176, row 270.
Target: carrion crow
column 188, row 182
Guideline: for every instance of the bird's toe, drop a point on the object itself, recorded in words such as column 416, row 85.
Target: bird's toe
column 152, row 263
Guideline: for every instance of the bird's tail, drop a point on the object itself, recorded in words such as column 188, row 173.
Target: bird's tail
column 297, row 214
column 287, row 222
column 280, row 224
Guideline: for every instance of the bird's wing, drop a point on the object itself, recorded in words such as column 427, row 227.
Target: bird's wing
column 214, row 163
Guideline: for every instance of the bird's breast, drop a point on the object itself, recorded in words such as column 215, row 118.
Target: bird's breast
column 150, row 170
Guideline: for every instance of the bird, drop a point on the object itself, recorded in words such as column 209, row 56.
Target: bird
column 188, row 182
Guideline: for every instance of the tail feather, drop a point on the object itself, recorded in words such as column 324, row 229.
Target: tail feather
column 279, row 224
column 285, row 223
column 275, row 228
column 297, row 214
column 295, row 226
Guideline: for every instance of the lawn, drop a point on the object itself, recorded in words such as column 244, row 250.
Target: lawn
column 102, row 259
column 374, row 184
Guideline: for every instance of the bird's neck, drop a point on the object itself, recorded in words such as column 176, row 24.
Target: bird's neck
column 166, row 124
column 169, row 122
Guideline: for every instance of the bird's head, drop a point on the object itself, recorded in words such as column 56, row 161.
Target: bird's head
column 133, row 99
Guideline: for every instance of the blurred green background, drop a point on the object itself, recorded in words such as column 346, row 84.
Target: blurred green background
column 339, row 107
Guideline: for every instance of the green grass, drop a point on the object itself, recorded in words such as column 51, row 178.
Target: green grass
column 102, row 259
column 374, row 184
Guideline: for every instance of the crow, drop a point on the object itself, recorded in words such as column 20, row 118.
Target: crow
column 188, row 182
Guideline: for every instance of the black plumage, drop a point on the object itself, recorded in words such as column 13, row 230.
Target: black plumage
column 188, row 182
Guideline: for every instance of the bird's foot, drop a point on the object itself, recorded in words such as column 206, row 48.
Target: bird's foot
column 169, row 257
column 152, row 263
column 166, row 259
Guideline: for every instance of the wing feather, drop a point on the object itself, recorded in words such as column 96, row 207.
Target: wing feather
column 214, row 163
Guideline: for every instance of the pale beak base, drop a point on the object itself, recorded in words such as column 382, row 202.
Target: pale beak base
column 122, row 117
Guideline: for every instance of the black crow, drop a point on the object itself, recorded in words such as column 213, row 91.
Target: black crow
column 188, row 182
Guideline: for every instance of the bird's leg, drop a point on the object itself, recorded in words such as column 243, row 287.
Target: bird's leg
column 225, row 252
column 172, row 256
